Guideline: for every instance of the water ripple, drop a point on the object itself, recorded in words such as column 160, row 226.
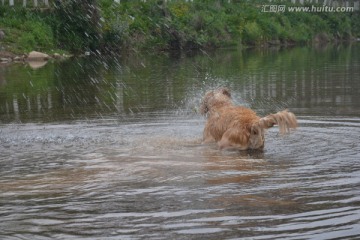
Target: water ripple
column 97, row 180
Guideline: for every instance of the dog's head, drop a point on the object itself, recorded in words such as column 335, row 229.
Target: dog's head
column 257, row 138
column 215, row 98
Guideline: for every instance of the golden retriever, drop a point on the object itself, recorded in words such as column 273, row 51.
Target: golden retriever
column 236, row 126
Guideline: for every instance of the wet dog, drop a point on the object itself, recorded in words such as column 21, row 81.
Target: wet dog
column 236, row 126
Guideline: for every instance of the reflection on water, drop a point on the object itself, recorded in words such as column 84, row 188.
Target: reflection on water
column 306, row 79
column 111, row 149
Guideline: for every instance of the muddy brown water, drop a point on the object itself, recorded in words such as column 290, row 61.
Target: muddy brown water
column 111, row 148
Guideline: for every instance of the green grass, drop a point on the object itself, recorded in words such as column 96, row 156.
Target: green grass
column 25, row 31
column 156, row 25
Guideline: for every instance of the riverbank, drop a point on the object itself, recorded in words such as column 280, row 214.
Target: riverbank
column 34, row 58
column 107, row 27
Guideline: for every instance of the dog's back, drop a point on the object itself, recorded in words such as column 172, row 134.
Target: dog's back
column 236, row 128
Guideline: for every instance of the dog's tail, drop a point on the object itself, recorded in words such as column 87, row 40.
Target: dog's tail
column 284, row 119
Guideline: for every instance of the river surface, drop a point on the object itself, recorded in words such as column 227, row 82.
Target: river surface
column 110, row 148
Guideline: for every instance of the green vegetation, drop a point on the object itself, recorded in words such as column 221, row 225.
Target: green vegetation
column 25, row 30
column 159, row 25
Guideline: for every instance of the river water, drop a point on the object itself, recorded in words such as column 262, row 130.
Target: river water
column 110, row 148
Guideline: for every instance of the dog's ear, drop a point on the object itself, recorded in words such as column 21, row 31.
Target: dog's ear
column 226, row 92
column 204, row 108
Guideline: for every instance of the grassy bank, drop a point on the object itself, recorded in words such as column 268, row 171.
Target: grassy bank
column 159, row 25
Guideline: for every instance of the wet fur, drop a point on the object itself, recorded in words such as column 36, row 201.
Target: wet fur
column 236, row 126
